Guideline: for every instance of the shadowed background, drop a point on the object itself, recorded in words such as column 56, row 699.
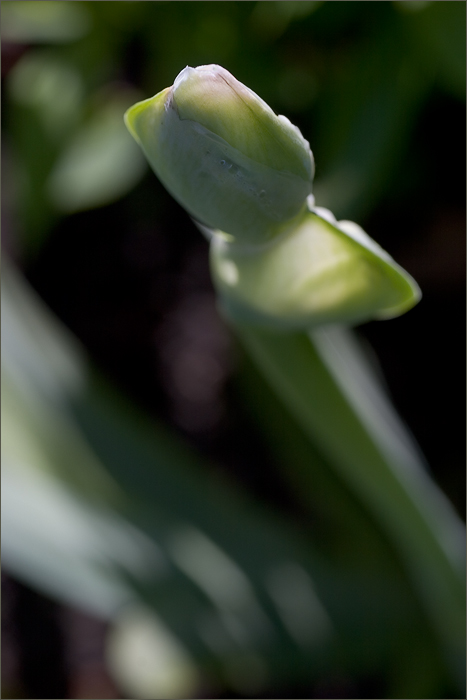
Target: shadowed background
column 378, row 89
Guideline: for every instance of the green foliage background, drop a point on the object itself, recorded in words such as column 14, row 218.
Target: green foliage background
column 121, row 488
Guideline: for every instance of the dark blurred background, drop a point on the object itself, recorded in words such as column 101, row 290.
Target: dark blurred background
column 378, row 89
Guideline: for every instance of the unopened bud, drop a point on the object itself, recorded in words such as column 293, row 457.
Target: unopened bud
column 220, row 150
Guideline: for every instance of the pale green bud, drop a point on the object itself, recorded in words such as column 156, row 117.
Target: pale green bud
column 220, row 150
column 323, row 271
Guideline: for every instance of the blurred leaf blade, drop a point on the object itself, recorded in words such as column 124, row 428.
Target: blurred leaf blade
column 117, row 522
column 148, row 520
column 100, row 163
column 372, row 116
column 30, row 22
column 440, row 33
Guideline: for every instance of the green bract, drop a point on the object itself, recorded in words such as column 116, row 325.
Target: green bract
column 321, row 272
column 224, row 154
column 246, row 174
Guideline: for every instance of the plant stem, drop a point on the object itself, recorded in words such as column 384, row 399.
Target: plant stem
column 326, row 384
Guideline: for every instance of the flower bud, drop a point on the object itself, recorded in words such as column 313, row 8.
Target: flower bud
column 220, row 150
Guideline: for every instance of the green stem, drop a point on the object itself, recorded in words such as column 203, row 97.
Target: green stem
column 327, row 386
